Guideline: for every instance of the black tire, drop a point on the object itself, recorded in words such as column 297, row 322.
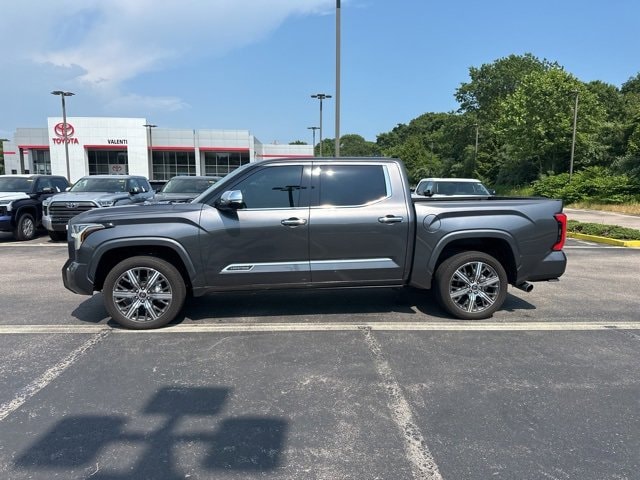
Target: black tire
column 25, row 227
column 128, row 301
column 466, row 293
column 57, row 236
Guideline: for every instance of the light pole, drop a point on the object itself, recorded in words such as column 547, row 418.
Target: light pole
column 149, row 126
column 475, row 155
column 64, row 126
column 321, row 97
column 573, row 140
column 2, row 140
column 337, row 147
column 314, row 138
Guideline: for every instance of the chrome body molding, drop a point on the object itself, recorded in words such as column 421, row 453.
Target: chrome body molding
column 314, row 266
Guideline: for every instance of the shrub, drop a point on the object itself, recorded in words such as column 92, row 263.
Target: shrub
column 594, row 184
column 609, row 231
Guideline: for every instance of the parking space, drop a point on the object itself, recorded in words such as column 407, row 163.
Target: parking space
column 349, row 384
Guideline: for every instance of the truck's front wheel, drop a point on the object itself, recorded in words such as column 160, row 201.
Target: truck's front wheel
column 144, row 292
column 471, row 285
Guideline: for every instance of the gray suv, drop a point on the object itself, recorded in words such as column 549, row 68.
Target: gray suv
column 93, row 191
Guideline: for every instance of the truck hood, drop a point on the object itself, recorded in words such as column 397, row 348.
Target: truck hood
column 140, row 213
column 88, row 197
column 10, row 196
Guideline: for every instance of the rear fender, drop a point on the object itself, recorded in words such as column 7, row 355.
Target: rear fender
column 486, row 240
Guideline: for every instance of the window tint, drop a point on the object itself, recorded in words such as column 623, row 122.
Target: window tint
column 60, row 184
column 343, row 185
column 272, row 187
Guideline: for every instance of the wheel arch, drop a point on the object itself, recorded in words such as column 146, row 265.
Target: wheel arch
column 500, row 245
column 109, row 255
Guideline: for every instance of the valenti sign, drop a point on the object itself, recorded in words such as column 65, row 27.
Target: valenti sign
column 64, row 135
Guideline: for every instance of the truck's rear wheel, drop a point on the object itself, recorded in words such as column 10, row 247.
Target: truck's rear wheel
column 471, row 285
column 144, row 292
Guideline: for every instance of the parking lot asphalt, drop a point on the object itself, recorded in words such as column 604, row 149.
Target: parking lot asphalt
column 357, row 384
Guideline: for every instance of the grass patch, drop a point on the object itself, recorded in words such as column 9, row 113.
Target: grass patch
column 628, row 208
column 608, row 231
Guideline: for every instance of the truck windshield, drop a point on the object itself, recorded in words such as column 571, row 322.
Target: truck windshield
column 15, row 184
column 100, row 185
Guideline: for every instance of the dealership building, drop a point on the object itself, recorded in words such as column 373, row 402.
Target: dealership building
column 99, row 145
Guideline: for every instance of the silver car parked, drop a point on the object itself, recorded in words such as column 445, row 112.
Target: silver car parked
column 93, row 191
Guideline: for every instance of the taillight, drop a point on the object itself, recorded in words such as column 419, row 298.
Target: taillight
column 561, row 218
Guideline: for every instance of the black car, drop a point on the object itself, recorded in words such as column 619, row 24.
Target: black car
column 21, row 199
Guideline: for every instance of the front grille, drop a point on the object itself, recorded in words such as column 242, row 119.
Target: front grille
column 62, row 212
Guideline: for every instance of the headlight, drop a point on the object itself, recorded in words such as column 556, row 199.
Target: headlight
column 6, row 204
column 80, row 231
column 106, row 203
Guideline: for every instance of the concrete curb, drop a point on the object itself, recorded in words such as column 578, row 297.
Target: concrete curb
column 608, row 241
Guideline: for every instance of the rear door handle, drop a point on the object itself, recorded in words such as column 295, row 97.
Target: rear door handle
column 293, row 222
column 390, row 219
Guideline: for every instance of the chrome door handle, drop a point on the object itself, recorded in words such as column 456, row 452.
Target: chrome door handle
column 390, row 219
column 293, row 222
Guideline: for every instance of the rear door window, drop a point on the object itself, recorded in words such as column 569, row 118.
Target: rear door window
column 351, row 185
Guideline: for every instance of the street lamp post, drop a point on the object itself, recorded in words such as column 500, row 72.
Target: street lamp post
column 64, row 126
column 573, row 140
column 321, row 97
column 149, row 126
column 337, row 147
column 314, row 138
column 2, row 140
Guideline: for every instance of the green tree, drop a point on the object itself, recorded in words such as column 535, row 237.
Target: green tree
column 298, row 142
column 536, row 120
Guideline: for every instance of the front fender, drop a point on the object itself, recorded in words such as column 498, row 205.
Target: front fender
column 109, row 245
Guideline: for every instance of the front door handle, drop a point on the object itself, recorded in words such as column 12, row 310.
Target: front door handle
column 293, row 222
column 390, row 219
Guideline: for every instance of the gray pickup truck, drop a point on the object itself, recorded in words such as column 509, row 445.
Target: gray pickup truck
column 319, row 223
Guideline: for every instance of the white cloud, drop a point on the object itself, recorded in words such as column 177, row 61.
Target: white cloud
column 102, row 44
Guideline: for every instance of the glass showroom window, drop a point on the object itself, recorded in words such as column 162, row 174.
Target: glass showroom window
column 107, row 162
column 167, row 164
column 41, row 162
column 221, row 163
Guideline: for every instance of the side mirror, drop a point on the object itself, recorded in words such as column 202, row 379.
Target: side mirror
column 134, row 191
column 230, row 200
column 428, row 193
column 492, row 192
column 67, row 189
column 47, row 190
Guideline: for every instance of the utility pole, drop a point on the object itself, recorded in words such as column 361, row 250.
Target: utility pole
column 573, row 140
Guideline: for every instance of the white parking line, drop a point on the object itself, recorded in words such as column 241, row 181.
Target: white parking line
column 33, row 245
column 418, row 454
column 49, row 376
column 459, row 326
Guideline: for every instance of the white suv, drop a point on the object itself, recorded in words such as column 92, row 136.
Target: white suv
column 452, row 187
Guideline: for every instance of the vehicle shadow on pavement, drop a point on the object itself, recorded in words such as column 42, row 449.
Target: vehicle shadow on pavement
column 318, row 305
column 91, row 443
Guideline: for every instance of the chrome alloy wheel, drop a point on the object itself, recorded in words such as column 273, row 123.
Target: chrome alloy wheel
column 474, row 287
column 28, row 228
column 142, row 294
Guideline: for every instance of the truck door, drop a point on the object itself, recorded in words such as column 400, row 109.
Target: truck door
column 359, row 223
column 266, row 242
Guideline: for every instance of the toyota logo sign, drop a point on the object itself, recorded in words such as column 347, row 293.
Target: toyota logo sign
column 59, row 130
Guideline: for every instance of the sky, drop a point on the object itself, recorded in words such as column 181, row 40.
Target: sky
column 253, row 64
